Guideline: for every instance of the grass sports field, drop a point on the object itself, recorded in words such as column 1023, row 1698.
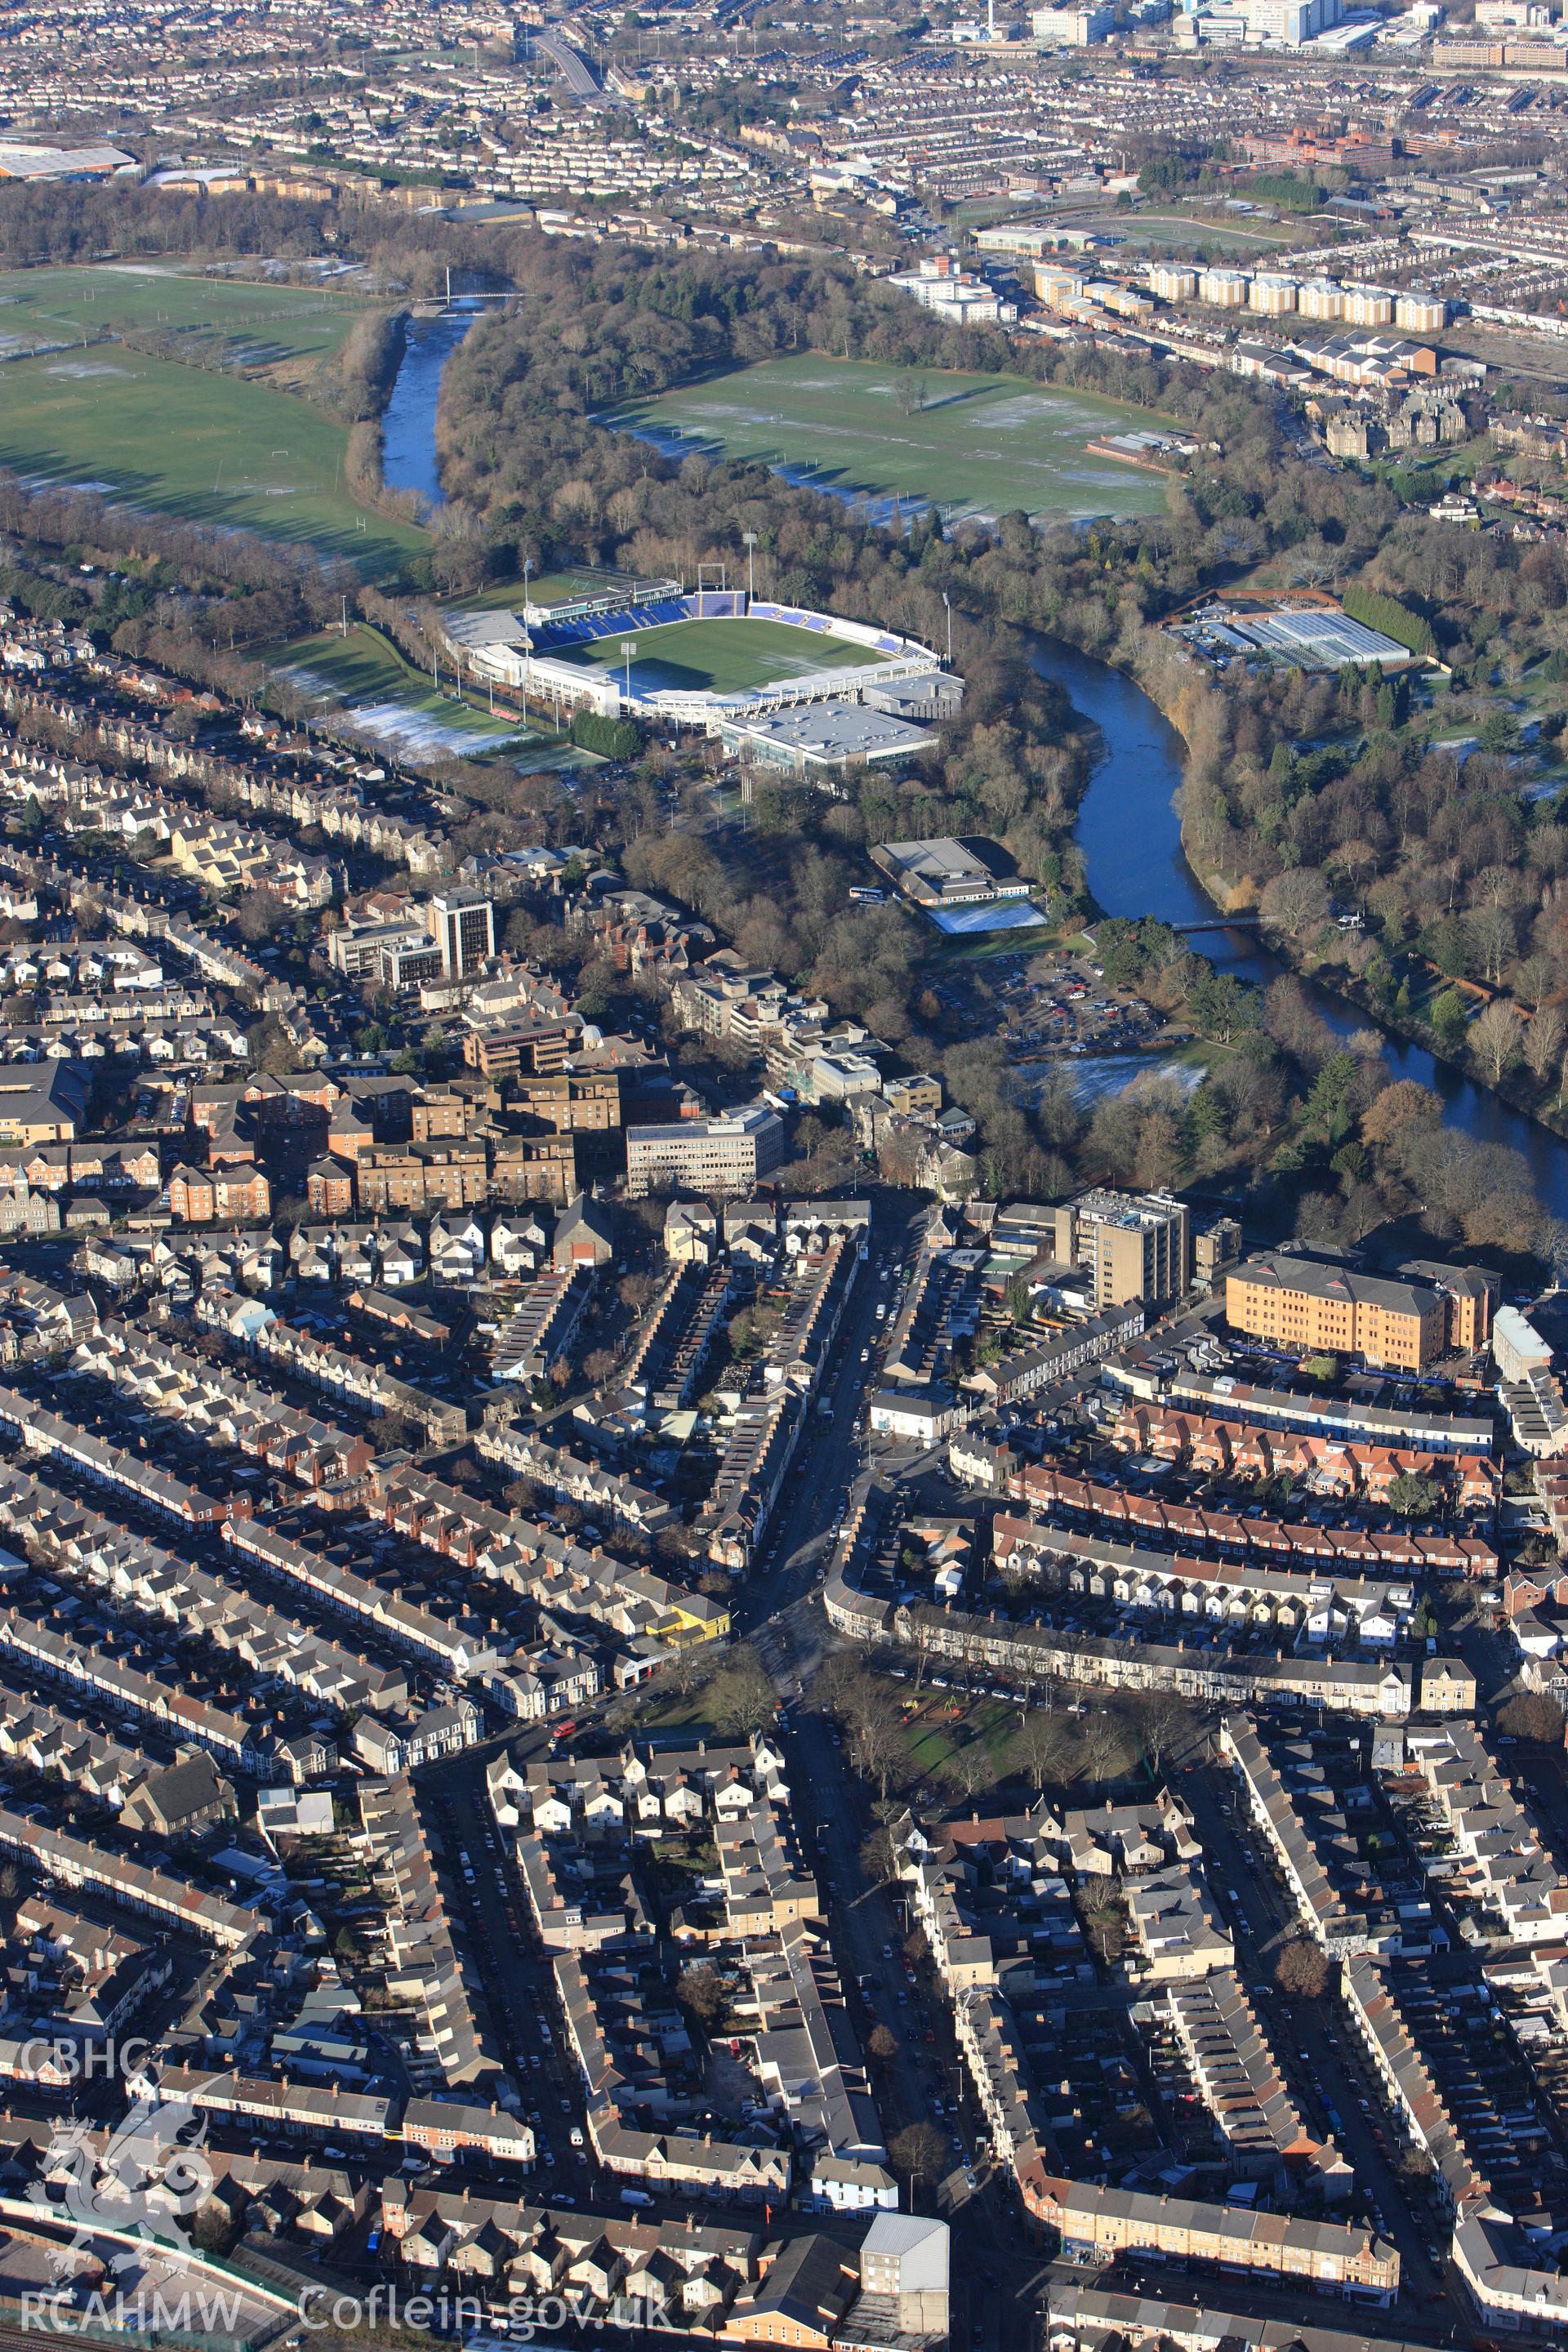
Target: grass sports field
column 981, row 443
column 204, row 443
column 257, row 326
column 507, row 595
column 394, row 703
column 183, row 441
column 720, row 657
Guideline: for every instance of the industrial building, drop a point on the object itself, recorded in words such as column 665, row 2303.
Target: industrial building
column 1308, row 637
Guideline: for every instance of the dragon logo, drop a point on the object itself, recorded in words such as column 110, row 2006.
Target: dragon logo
column 144, row 2181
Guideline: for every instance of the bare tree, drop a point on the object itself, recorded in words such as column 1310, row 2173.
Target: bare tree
column 1302, row 1970
column 1043, row 1746
column 1544, row 1042
column 1493, row 941
column 918, row 2152
column 1496, row 1035
column 1101, row 1740
column 879, row 1745
column 969, row 1768
column 1534, row 1716
column 699, row 1990
column 259, row 914
column 741, row 1697
column 1297, row 900
column 1163, row 1723
column 878, row 1857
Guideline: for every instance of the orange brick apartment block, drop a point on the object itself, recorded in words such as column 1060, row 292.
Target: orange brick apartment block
column 1405, row 1320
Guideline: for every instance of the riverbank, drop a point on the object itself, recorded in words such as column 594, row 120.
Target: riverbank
column 1129, row 835
column 1231, row 898
column 1127, row 829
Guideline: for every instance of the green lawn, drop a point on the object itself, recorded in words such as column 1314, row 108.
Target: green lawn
column 1181, row 228
column 720, row 657
column 507, row 595
column 393, row 701
column 255, row 324
column 191, row 442
column 981, row 443
column 933, row 1738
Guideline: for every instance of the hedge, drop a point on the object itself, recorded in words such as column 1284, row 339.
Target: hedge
column 1390, row 618
column 613, row 739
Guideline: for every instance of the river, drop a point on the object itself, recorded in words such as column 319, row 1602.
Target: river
column 1127, row 828
column 1130, row 837
column 408, row 459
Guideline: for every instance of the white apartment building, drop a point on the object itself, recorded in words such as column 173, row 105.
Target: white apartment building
column 705, row 1155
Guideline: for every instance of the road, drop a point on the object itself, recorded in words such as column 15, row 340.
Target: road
column 998, row 2276
column 574, row 68
column 1311, row 2041
column 518, row 1980
column 779, row 1611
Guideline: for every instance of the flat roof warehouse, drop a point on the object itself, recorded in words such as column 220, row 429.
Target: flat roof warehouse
column 825, row 735
column 943, row 873
column 19, row 160
column 1310, row 638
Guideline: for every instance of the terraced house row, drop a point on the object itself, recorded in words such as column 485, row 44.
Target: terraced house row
column 667, row 1363
column 1340, row 1928
column 648, row 1615
column 691, row 2271
column 173, row 1902
column 56, row 1438
column 337, row 805
column 810, row 2063
column 763, row 1432
column 144, row 1577
column 578, row 1826
column 1315, row 1609
column 1424, row 2120
column 81, row 1666
column 400, row 1622
column 1233, row 1533
column 39, row 1736
column 1323, row 1465
column 636, row 1796
column 1219, row 1396
column 571, row 1477
column 1030, row 1654
column 688, row 2163
column 1239, row 2079
column 440, row 2126
column 303, row 1356
column 1330, row 2257
column 422, row 1965
column 1501, row 1862
column 214, row 1401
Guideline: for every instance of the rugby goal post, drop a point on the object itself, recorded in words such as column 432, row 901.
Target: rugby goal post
column 712, row 579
